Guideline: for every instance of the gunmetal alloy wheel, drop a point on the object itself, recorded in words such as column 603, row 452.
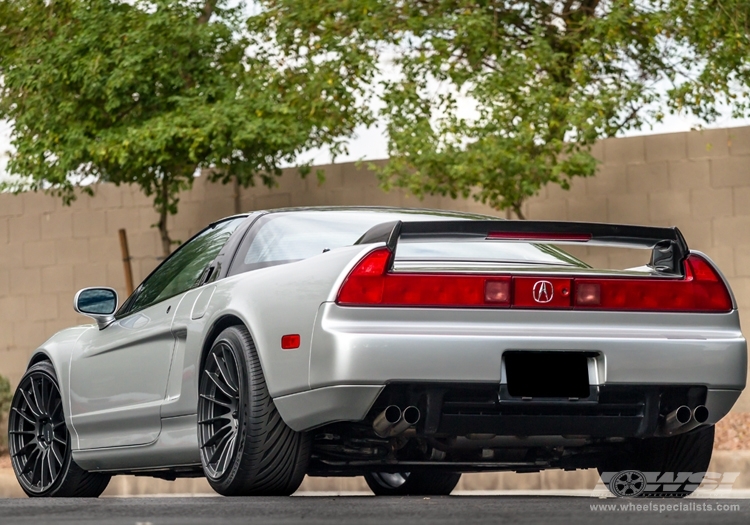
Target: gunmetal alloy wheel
column 39, row 441
column 219, row 410
column 246, row 448
column 38, row 437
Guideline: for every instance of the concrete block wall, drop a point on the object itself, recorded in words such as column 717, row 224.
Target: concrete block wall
column 699, row 181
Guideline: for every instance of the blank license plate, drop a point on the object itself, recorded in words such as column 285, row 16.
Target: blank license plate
column 547, row 374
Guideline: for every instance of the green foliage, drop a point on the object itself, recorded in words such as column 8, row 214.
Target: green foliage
column 717, row 34
column 490, row 98
column 5, row 398
column 146, row 92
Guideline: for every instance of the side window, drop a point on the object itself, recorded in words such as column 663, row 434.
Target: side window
column 183, row 268
column 281, row 238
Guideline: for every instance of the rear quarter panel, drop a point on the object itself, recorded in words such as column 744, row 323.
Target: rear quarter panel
column 281, row 300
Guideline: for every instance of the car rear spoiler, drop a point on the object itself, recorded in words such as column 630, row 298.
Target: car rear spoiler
column 669, row 248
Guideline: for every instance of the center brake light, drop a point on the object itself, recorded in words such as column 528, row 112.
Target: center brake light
column 371, row 284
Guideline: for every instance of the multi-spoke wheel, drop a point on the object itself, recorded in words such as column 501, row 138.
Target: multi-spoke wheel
column 39, row 441
column 246, row 448
column 218, row 410
column 412, row 483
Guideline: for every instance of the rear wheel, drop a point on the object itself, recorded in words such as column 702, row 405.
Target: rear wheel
column 39, row 441
column 660, row 467
column 412, row 483
column 246, row 448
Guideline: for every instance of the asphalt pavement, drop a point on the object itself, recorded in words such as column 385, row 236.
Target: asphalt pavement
column 463, row 510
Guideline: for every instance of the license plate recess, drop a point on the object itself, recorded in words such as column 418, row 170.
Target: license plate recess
column 547, row 374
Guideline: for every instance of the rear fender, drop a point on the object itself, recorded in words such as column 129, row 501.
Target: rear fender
column 277, row 301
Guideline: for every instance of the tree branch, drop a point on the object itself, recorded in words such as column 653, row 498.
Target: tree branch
column 207, row 11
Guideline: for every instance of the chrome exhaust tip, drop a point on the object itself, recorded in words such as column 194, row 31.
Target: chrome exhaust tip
column 676, row 419
column 411, row 415
column 409, row 418
column 385, row 421
column 700, row 414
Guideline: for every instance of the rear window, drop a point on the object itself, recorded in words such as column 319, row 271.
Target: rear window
column 482, row 251
column 281, row 238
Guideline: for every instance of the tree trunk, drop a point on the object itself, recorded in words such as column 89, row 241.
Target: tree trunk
column 518, row 212
column 166, row 241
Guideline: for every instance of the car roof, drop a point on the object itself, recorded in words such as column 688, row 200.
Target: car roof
column 448, row 214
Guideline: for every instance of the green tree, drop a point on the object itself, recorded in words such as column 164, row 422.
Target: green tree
column 717, row 66
column 146, row 92
column 490, row 98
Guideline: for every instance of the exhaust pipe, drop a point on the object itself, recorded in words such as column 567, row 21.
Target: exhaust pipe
column 676, row 419
column 385, row 421
column 409, row 417
column 700, row 416
column 392, row 421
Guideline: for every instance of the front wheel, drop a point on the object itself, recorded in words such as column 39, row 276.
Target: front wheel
column 412, row 483
column 39, row 441
column 246, row 448
column 660, row 467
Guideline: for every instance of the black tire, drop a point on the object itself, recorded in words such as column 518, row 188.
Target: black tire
column 39, row 441
column 667, row 456
column 246, row 448
column 412, row 483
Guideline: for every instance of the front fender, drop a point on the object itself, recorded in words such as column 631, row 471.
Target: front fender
column 58, row 350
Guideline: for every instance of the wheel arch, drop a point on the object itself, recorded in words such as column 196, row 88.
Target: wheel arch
column 219, row 325
column 39, row 356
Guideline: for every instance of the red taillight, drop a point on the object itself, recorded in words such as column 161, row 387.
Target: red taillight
column 702, row 290
column 370, row 284
column 364, row 286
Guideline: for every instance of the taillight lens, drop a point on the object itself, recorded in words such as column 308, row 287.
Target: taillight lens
column 364, row 285
column 370, row 284
column 702, row 290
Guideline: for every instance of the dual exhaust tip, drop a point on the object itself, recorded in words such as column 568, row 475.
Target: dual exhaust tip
column 393, row 421
column 684, row 419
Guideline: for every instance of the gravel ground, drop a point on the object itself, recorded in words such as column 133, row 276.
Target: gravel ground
column 493, row 510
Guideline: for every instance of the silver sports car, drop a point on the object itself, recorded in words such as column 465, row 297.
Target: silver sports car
column 407, row 346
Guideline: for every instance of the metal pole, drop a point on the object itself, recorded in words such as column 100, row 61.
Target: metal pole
column 126, row 261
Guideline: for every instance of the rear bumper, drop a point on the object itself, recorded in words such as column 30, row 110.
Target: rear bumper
column 357, row 351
